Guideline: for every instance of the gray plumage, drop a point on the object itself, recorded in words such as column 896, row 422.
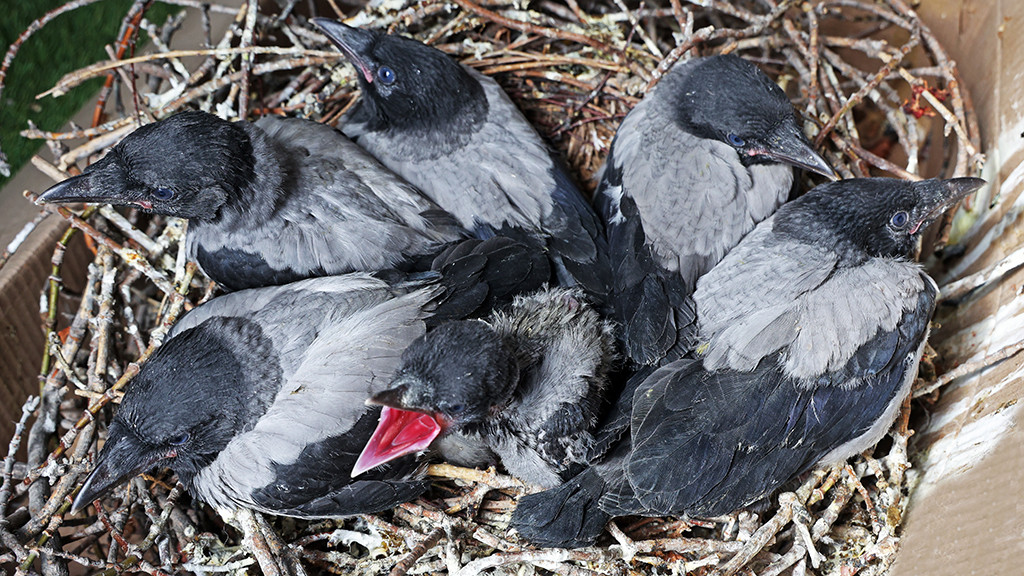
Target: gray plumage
column 811, row 330
column 256, row 400
column 270, row 202
column 523, row 387
column 798, row 285
column 456, row 135
column 705, row 156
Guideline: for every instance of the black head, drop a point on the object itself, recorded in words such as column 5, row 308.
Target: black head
column 195, row 394
column 406, row 84
column 871, row 217
column 731, row 100
column 187, row 166
column 460, row 372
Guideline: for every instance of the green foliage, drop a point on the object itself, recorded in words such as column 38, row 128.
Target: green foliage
column 71, row 41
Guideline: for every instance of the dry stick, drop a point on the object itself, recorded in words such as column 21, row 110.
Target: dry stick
column 250, row 24
column 129, row 28
column 73, row 79
column 132, row 257
column 529, row 28
column 535, row 556
column 30, row 405
column 403, row 566
column 176, row 303
column 970, row 367
column 710, row 33
column 890, row 65
column 762, row 536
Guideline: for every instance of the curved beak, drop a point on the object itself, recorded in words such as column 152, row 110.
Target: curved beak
column 943, row 195
column 354, row 43
column 121, row 459
column 787, row 144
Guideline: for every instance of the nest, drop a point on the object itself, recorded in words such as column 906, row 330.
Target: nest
column 877, row 93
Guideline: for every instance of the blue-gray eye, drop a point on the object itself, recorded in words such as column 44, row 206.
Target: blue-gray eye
column 456, row 408
column 386, row 75
column 735, row 140
column 180, row 440
column 163, row 193
column 899, row 219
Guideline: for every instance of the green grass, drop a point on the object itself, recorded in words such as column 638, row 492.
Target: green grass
column 69, row 42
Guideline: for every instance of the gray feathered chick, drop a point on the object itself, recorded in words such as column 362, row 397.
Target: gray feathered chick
column 811, row 331
column 257, row 399
column 454, row 134
column 270, row 202
column 707, row 154
column 523, row 387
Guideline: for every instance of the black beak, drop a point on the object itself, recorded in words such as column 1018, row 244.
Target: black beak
column 74, row 189
column 941, row 195
column 354, row 43
column 121, row 459
column 393, row 397
column 788, row 145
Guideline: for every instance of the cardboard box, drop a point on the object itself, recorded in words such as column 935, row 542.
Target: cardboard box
column 966, row 515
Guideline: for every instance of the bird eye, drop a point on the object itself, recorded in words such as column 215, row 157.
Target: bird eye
column 456, row 408
column 163, row 193
column 386, row 75
column 735, row 140
column 180, row 440
column 899, row 219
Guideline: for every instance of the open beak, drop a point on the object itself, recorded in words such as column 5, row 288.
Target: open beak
column 354, row 43
column 399, row 432
column 789, row 146
column 120, row 460
column 945, row 194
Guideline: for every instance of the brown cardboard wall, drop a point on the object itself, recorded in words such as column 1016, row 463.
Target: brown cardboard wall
column 21, row 336
column 966, row 515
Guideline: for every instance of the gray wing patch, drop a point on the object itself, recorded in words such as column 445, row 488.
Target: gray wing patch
column 799, row 285
column 343, row 210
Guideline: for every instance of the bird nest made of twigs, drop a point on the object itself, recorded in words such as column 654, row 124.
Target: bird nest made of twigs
column 878, row 96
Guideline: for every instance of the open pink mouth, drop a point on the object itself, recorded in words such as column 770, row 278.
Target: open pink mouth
column 398, row 433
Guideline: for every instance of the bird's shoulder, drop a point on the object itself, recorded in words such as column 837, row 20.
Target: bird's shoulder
column 772, row 294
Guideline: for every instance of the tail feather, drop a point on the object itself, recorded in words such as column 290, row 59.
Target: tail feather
column 564, row 517
column 480, row 275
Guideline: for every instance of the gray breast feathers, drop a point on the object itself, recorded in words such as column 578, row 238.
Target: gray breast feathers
column 695, row 198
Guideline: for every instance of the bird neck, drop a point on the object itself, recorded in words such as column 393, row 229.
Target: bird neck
column 260, row 188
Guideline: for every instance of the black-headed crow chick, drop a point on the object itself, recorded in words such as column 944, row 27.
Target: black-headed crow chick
column 707, row 154
column 810, row 334
column 454, row 134
column 257, row 399
column 269, row 202
column 523, row 388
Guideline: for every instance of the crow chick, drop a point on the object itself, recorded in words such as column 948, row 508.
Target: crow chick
column 270, row 202
column 705, row 156
column 523, row 387
column 810, row 333
column 454, row 134
column 257, row 399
